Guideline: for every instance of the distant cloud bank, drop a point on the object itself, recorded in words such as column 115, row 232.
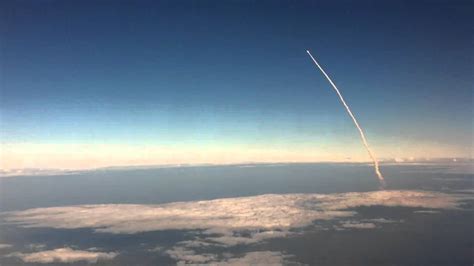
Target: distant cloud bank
column 82, row 156
column 460, row 166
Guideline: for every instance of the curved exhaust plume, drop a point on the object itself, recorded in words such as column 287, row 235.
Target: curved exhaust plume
column 362, row 136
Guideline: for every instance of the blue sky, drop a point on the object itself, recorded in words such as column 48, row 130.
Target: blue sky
column 233, row 75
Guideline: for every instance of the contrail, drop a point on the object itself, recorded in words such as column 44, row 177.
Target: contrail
column 362, row 136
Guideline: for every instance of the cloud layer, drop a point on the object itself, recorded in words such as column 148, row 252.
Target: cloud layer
column 222, row 222
column 268, row 212
column 185, row 256
column 64, row 255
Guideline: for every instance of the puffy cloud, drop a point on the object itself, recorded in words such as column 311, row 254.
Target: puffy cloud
column 187, row 256
column 221, row 222
column 265, row 212
column 64, row 255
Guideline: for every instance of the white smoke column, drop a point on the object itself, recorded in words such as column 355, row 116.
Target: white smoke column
column 362, row 136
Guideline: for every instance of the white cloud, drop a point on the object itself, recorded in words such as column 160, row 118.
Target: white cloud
column 231, row 239
column 34, row 172
column 426, row 211
column 383, row 221
column 258, row 258
column 64, row 255
column 187, row 256
column 196, row 243
column 35, row 246
column 5, row 246
column 221, row 222
column 358, row 225
column 267, row 212
column 157, row 249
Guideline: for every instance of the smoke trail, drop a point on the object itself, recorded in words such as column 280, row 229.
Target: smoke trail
column 362, row 136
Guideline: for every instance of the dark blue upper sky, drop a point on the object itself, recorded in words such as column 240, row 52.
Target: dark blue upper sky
column 236, row 71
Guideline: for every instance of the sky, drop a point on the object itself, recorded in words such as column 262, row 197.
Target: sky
column 87, row 84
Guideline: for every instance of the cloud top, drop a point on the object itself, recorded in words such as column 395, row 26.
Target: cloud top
column 64, row 255
column 267, row 212
column 222, row 222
